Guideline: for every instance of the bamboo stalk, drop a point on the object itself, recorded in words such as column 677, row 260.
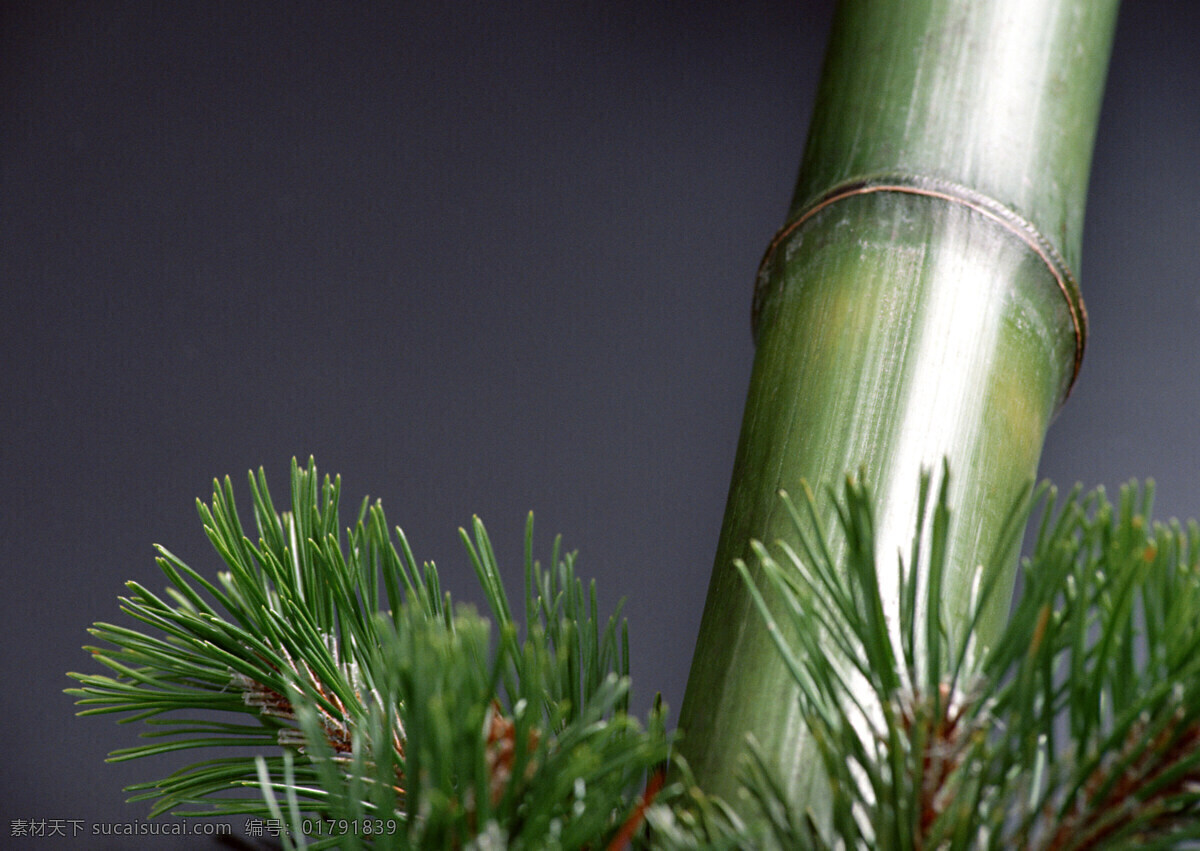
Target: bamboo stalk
column 919, row 304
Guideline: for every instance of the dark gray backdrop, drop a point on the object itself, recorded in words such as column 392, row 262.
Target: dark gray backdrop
column 477, row 258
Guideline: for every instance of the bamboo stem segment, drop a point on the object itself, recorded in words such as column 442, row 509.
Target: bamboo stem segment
column 918, row 305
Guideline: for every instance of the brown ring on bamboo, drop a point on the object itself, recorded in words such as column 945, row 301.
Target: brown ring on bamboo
column 944, row 190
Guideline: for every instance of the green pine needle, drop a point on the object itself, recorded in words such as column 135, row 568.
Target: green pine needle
column 1079, row 729
column 373, row 713
column 378, row 714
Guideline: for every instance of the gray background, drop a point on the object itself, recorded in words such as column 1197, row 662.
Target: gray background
column 477, row 258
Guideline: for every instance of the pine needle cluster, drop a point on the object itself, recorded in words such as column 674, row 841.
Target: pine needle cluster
column 1079, row 729
column 373, row 711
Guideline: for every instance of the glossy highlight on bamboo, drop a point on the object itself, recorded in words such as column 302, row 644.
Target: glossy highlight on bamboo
column 920, row 305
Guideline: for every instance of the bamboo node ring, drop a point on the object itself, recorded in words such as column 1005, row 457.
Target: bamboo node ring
column 954, row 193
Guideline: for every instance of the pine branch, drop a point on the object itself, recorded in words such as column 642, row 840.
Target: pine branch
column 1078, row 730
column 370, row 703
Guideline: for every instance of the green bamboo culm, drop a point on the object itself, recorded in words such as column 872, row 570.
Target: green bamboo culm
column 919, row 304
